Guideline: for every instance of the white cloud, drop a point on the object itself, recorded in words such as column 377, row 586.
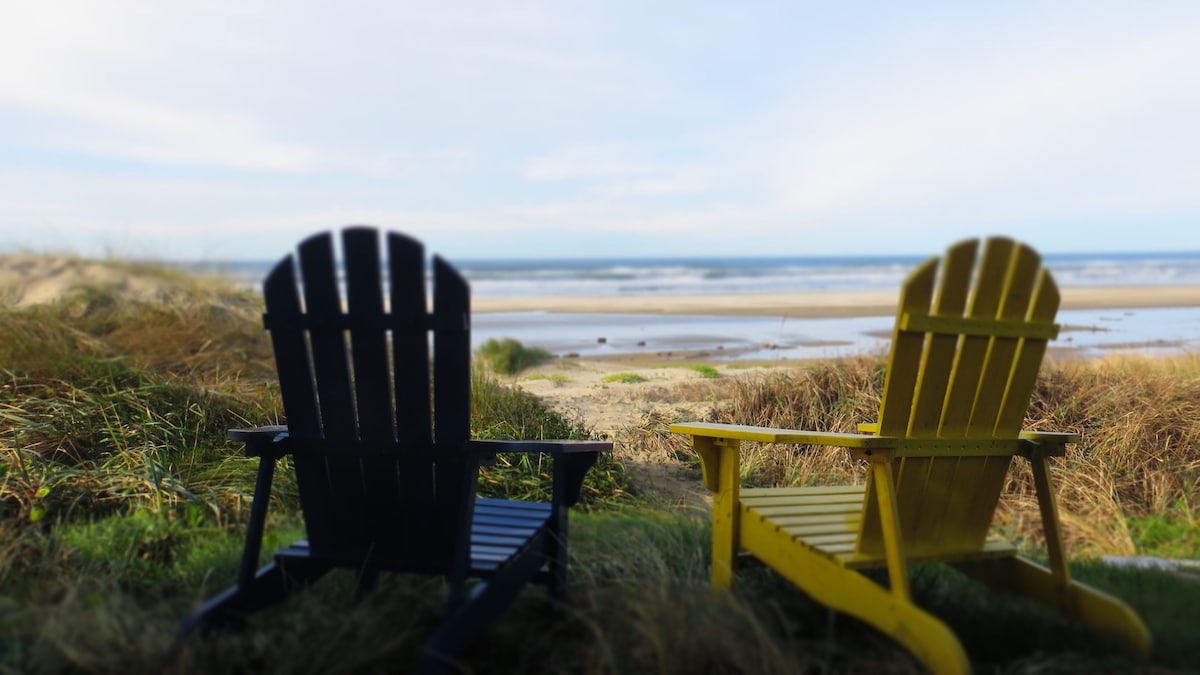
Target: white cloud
column 1030, row 138
column 97, row 76
column 225, row 127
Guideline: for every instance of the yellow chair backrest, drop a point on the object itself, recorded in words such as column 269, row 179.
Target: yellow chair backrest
column 971, row 331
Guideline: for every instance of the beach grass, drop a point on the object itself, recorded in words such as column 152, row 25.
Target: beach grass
column 625, row 378
column 706, row 371
column 122, row 505
column 509, row 356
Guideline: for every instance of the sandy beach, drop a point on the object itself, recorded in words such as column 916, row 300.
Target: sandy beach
column 29, row 278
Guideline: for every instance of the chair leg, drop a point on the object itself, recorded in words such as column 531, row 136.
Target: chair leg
column 270, row 585
column 721, row 458
column 266, row 588
column 1093, row 608
column 849, row 592
column 486, row 602
column 922, row 634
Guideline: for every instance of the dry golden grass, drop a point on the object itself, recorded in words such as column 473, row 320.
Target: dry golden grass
column 1139, row 419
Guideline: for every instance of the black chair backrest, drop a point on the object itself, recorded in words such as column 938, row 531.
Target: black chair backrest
column 378, row 444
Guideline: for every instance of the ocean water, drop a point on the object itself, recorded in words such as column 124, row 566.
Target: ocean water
column 676, row 276
column 1155, row 331
column 686, row 276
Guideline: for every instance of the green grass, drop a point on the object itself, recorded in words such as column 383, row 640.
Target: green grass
column 706, row 371
column 558, row 379
column 624, row 378
column 508, row 356
column 1173, row 534
column 121, row 506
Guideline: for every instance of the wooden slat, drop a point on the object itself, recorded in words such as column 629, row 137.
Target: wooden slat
column 1024, row 376
column 502, row 530
column 411, row 394
column 804, row 500
column 985, row 301
column 904, row 364
column 364, row 295
column 296, row 381
column 821, row 541
column 841, row 549
column 455, row 473
column 330, row 363
column 452, row 355
column 335, row 398
column 900, row 382
column 998, row 366
column 803, row 510
column 933, row 505
column 386, row 514
column 507, row 521
column 495, row 552
column 924, row 421
column 921, row 484
column 1028, row 301
column 485, row 503
column 512, row 524
column 981, row 512
column 971, row 515
column 297, row 387
column 750, row 493
column 805, row 532
column 410, row 349
column 497, row 541
column 844, row 518
column 938, row 360
column 908, row 375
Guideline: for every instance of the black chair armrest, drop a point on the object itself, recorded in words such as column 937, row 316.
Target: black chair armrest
column 262, row 441
column 572, row 459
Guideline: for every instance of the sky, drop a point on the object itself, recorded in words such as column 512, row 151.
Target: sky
column 230, row 130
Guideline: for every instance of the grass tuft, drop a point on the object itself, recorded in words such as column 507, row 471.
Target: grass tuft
column 625, row 378
column 508, row 356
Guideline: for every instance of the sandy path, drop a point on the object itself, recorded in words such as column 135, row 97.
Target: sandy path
column 585, row 389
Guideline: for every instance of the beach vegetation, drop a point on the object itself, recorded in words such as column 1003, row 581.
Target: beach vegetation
column 625, row 378
column 508, row 356
column 558, row 379
column 706, row 371
column 122, row 505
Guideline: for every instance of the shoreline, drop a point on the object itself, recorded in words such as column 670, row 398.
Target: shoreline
column 831, row 304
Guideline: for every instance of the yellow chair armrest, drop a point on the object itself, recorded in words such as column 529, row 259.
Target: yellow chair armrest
column 1047, row 443
column 706, row 434
column 770, row 435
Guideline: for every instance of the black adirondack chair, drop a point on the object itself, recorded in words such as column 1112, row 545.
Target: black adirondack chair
column 386, row 469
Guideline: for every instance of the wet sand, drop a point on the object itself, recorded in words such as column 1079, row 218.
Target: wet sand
column 814, row 305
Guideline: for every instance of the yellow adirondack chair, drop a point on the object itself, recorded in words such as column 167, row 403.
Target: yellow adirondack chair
column 970, row 334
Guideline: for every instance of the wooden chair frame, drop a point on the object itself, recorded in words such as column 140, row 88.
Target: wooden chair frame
column 378, row 431
column 971, row 331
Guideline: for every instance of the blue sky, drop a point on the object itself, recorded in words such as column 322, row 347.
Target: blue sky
column 228, row 130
